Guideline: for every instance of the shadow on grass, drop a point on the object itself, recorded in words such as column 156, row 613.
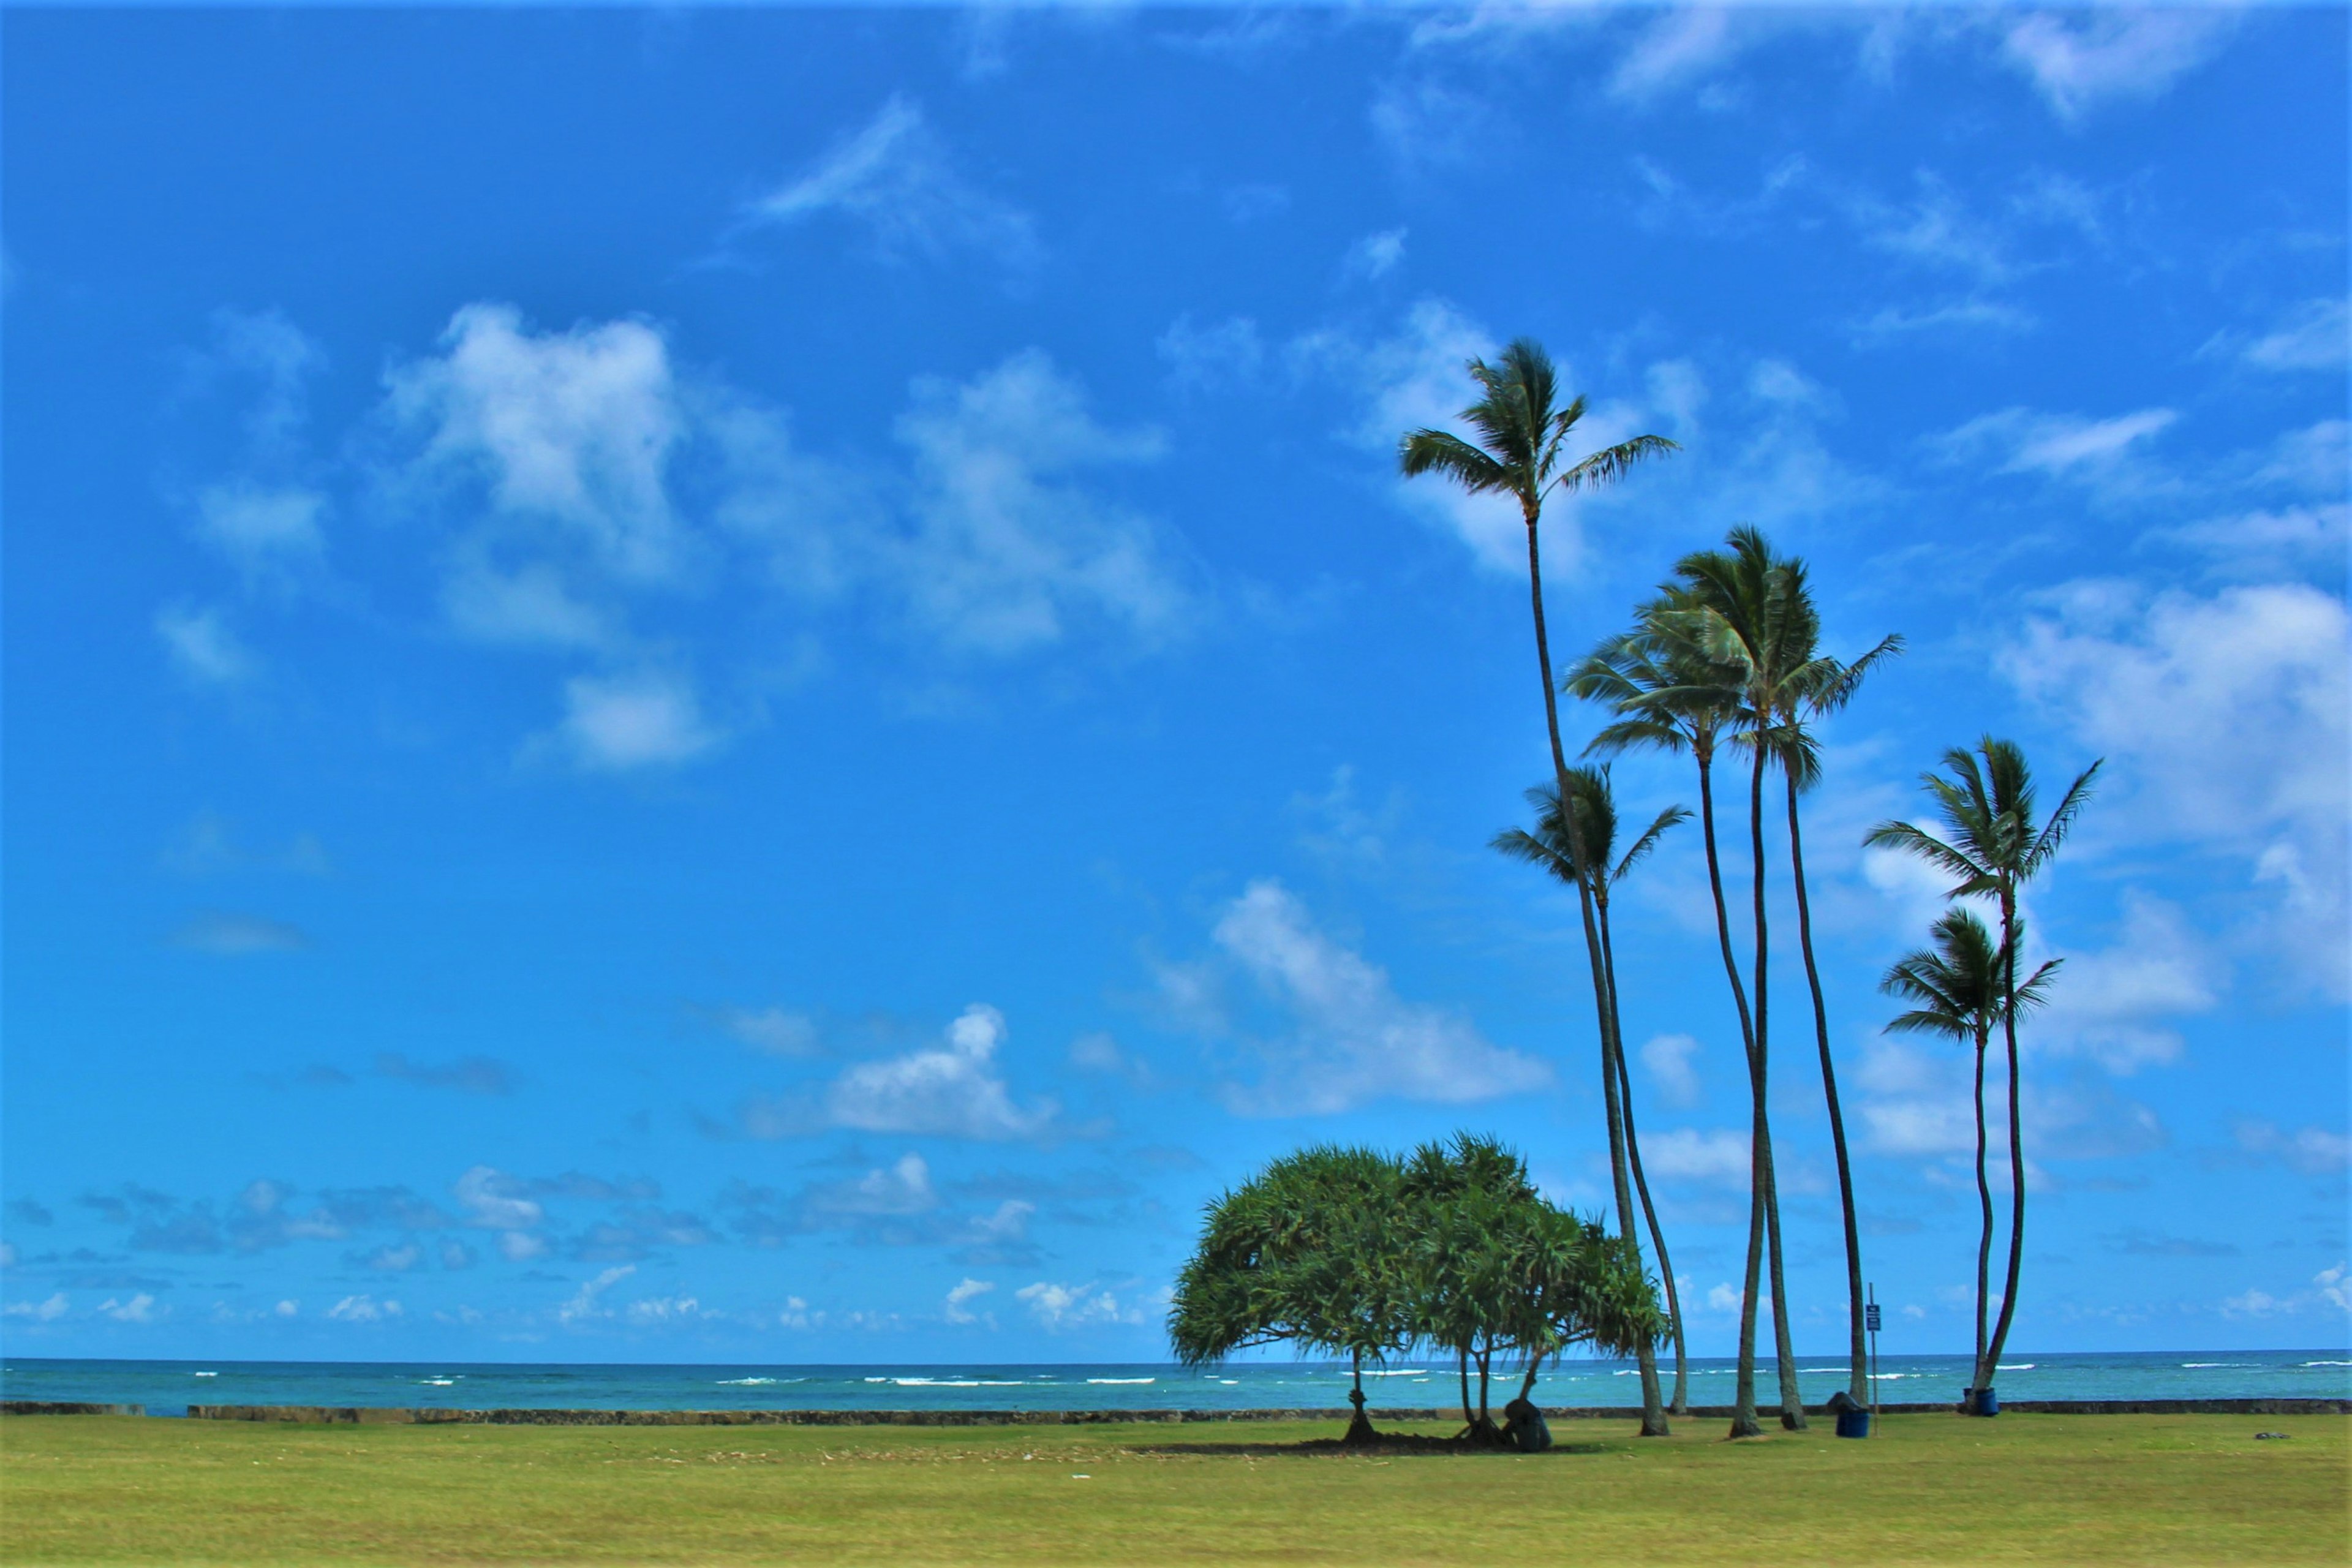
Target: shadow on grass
column 1386, row 1444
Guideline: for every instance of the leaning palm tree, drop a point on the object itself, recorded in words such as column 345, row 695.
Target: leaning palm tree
column 1994, row 845
column 1742, row 615
column 1670, row 694
column 1813, row 686
column 1551, row 848
column 1521, row 451
column 1955, row 990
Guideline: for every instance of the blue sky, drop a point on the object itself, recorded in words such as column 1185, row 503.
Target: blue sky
column 757, row 685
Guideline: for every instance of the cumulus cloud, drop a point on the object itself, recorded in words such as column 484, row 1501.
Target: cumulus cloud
column 890, row 1192
column 139, row 1309
column 496, row 1201
column 958, row 1308
column 202, row 648
column 2307, row 1151
column 895, row 177
column 2081, row 60
column 46, row 1311
column 270, row 533
column 1004, row 550
column 230, row 935
column 1348, row 1037
column 1688, row 1153
column 1375, row 255
column 1667, row 1059
column 1057, row 1306
column 570, row 433
column 644, row 718
column 2227, row 716
column 2111, row 1005
column 955, row 1090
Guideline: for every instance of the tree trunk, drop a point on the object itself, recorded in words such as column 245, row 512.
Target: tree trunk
column 1793, row 1404
column 1359, row 1425
column 1984, row 1200
column 1604, row 995
column 1468, row 1420
column 1680, row 1404
column 2016, row 1137
column 1654, row 1420
column 1858, row 1382
column 1743, row 1398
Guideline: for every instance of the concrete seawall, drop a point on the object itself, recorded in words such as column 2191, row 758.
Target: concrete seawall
column 349, row 1415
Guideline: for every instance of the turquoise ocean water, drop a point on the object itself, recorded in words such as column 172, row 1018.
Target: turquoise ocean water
column 169, row 1387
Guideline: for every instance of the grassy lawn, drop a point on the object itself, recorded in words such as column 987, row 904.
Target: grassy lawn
column 1931, row 1488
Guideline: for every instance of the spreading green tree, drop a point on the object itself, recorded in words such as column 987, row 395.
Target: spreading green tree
column 1955, row 989
column 1552, row 848
column 1309, row 1252
column 1994, row 843
column 1522, row 450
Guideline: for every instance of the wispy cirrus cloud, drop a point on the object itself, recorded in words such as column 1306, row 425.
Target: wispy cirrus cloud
column 2082, row 60
column 895, row 177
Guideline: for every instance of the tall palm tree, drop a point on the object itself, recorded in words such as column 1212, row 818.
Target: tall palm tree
column 1670, row 694
column 1752, row 629
column 1813, row 686
column 1955, row 989
column 1551, row 848
column 1994, row 845
column 1521, row 451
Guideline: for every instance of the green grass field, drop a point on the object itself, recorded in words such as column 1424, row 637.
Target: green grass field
column 1931, row 1488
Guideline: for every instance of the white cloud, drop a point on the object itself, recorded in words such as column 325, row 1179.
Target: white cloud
column 571, row 431
column 270, row 349
column 1679, row 46
column 647, row 718
column 362, row 1310
column 530, row 606
column 520, row 1246
column 1229, row 354
column 1667, row 1059
column 1686, row 1153
column 287, row 1309
column 47, row 1311
column 2269, row 541
column 663, row 1310
column 1058, row 1307
column 2078, row 60
column 2095, row 452
column 235, row 935
column 2315, row 335
column 497, row 1200
column 895, row 177
column 139, row 1309
column 891, row 1191
column 270, row 534
column 1723, row 1298
column 583, row 1301
column 966, row 1290
column 1005, row 551
column 956, row 1091
column 1351, row 1038
column 2225, row 721
column 2110, row 1005
column 2307, row 1151
column 1375, row 255
column 773, row 1030
column 2327, row 1292
column 202, row 646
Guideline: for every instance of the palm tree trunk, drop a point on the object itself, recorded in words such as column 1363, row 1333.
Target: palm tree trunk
column 1468, row 1420
column 1984, row 1200
column 1793, row 1404
column 1605, row 993
column 1858, row 1383
column 1653, row 1419
column 1743, row 1398
column 2016, row 1138
column 1680, row 1404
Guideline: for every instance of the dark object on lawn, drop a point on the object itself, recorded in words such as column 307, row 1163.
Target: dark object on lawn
column 1852, row 1417
column 1979, row 1402
column 1525, row 1427
column 2266, row 1436
column 1841, row 1402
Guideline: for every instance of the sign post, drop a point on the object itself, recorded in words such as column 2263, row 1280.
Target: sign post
column 1869, row 1322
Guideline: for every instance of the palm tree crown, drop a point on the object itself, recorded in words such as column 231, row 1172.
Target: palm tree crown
column 1521, row 442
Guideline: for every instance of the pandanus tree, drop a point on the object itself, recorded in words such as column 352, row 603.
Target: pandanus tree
column 1499, row 1274
column 1553, row 848
column 1309, row 1254
column 1522, row 450
column 1993, row 845
column 1955, row 991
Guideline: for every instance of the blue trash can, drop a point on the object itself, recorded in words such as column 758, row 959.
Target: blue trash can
column 1853, row 1424
column 1983, row 1402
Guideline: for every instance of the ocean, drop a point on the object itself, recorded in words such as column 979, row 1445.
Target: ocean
column 169, row 1387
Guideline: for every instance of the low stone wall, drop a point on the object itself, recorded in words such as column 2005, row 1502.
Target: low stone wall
column 361, row 1415
column 65, row 1408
